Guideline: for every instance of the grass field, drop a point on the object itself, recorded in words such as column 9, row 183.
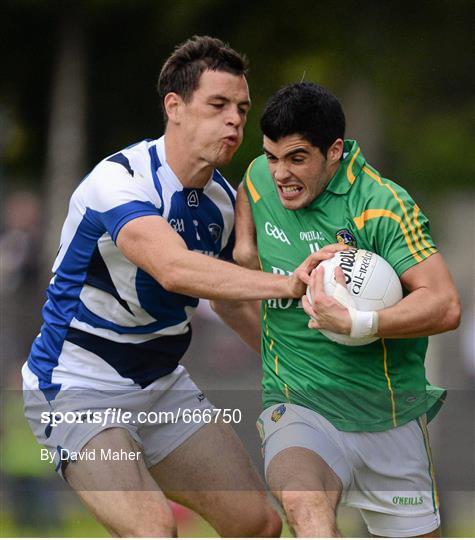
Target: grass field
column 77, row 522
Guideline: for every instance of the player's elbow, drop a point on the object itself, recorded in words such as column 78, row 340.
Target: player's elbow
column 171, row 281
column 170, row 276
column 453, row 313
column 448, row 313
column 246, row 255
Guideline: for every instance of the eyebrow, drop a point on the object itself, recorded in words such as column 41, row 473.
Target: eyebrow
column 299, row 150
column 223, row 98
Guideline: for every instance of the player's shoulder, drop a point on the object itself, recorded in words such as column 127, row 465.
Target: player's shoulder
column 257, row 179
column 258, row 168
column 220, row 190
column 134, row 160
column 121, row 176
column 372, row 189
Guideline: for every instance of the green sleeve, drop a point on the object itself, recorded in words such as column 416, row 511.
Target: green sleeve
column 394, row 227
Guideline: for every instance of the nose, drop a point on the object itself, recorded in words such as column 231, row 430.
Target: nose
column 280, row 172
column 234, row 117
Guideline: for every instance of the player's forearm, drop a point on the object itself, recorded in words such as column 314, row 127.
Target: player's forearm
column 151, row 244
column 204, row 277
column 421, row 313
column 243, row 318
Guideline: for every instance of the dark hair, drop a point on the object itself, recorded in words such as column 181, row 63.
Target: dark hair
column 306, row 109
column 182, row 71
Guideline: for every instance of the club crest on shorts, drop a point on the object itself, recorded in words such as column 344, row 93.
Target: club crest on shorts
column 278, row 413
column 344, row 236
column 215, row 231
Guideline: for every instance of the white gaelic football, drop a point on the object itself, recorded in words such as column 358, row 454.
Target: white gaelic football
column 371, row 282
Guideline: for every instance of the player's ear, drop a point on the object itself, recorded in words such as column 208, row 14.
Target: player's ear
column 335, row 151
column 172, row 104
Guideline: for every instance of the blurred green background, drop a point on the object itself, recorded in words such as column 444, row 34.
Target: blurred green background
column 403, row 68
column 78, row 83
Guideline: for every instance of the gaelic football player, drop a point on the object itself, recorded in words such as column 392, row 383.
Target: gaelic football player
column 141, row 243
column 342, row 423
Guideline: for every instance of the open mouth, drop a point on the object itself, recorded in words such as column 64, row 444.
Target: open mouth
column 231, row 140
column 290, row 191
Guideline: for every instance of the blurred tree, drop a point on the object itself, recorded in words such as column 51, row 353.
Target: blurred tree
column 413, row 59
column 404, row 71
column 66, row 144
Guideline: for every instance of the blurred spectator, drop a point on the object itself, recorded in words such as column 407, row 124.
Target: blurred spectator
column 20, row 291
column 32, row 501
column 19, row 241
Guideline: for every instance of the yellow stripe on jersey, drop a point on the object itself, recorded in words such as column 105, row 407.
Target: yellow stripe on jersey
column 264, row 317
column 388, row 380
column 276, row 364
column 381, row 212
column 419, row 230
column 250, row 186
column 286, row 391
column 376, row 177
column 260, row 263
column 349, row 171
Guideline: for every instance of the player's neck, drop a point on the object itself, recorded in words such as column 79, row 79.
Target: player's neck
column 191, row 171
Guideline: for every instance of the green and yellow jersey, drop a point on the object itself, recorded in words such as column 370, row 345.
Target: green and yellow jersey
column 369, row 388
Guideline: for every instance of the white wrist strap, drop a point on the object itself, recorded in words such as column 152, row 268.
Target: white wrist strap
column 363, row 323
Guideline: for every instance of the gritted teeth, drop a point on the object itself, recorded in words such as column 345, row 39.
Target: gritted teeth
column 290, row 189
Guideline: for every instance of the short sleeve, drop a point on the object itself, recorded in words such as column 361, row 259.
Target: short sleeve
column 114, row 197
column 395, row 227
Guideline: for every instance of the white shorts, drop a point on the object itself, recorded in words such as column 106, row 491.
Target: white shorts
column 387, row 475
column 159, row 417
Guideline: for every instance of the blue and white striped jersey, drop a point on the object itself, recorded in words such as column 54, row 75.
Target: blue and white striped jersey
column 105, row 319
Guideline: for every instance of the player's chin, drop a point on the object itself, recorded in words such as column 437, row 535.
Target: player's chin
column 224, row 157
column 294, row 204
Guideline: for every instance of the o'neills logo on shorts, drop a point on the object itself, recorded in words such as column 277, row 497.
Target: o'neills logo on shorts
column 408, row 501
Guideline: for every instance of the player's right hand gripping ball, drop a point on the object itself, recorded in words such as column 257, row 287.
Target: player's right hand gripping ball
column 371, row 282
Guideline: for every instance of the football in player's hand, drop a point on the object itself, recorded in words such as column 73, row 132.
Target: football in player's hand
column 371, row 282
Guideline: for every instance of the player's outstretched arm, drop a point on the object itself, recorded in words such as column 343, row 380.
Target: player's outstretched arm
column 152, row 244
column 245, row 250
